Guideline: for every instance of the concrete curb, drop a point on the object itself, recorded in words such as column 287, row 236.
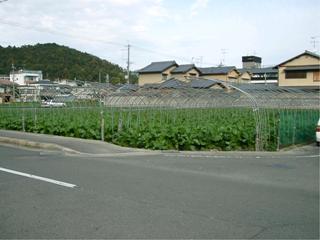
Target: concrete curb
column 32, row 144
column 135, row 152
column 56, row 147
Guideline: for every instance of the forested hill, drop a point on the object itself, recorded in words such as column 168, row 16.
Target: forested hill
column 61, row 62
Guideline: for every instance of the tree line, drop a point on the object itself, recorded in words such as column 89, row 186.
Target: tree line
column 61, row 62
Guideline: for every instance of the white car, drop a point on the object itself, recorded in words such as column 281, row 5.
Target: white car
column 318, row 133
column 52, row 103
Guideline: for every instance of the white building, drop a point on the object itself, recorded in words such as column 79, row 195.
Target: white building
column 23, row 77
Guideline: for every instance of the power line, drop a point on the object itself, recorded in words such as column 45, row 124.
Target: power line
column 160, row 53
column 75, row 36
column 171, row 56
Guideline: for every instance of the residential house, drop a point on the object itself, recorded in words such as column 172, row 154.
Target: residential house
column 251, row 62
column 301, row 71
column 244, row 75
column 156, row 72
column 6, row 90
column 267, row 75
column 182, row 72
column 23, row 77
column 44, row 89
column 225, row 73
column 4, row 77
column 174, row 83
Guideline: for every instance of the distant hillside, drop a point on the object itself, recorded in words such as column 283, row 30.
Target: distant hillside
column 61, row 62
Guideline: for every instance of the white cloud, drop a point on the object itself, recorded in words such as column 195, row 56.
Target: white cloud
column 156, row 9
column 47, row 22
column 165, row 26
column 197, row 6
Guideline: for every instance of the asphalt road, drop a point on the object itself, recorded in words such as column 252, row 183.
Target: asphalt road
column 168, row 195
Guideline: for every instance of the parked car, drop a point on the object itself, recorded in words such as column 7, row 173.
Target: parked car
column 318, row 133
column 52, row 103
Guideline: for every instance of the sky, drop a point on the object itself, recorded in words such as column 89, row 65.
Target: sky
column 204, row 32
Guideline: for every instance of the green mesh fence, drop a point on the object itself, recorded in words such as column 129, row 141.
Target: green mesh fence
column 297, row 126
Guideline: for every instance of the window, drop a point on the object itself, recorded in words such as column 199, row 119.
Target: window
column 316, row 76
column 296, row 74
column 164, row 76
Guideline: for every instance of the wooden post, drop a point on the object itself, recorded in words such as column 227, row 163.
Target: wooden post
column 102, row 125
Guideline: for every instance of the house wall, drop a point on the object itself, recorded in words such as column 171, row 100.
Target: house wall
column 21, row 77
column 301, row 82
column 245, row 76
column 182, row 76
column 146, row 78
column 233, row 74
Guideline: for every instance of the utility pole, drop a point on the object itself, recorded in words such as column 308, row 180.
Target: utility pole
column 107, row 79
column 128, row 65
column 13, row 87
column 99, row 77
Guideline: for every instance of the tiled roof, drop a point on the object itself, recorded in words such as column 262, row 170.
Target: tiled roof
column 184, row 68
column 173, row 83
column 304, row 53
column 202, row 83
column 158, row 67
column 44, row 81
column 129, row 87
column 258, row 70
column 7, row 83
column 216, row 70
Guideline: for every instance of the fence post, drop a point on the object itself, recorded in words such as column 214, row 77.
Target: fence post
column 35, row 118
column 102, row 125
column 257, row 146
column 278, row 137
column 294, row 126
column 23, row 121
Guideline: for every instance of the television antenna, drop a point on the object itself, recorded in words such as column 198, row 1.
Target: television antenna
column 315, row 43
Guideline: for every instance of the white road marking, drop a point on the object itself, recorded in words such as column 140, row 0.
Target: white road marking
column 38, row 178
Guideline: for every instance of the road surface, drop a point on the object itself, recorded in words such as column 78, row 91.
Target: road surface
column 164, row 195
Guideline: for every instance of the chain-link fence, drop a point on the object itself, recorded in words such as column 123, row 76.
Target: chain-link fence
column 197, row 114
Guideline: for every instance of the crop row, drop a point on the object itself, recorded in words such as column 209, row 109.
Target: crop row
column 181, row 129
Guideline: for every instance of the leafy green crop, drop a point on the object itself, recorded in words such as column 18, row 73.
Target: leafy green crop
column 181, row 129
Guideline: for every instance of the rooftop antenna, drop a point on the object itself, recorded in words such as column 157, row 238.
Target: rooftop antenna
column 197, row 61
column 315, row 42
column 223, row 53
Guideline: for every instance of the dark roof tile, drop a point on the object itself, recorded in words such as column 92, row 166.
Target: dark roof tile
column 184, row 68
column 158, row 67
column 258, row 70
column 216, row 70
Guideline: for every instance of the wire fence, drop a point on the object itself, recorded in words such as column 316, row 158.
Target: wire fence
column 198, row 114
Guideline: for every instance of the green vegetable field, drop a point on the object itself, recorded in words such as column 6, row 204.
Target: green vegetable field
column 156, row 128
